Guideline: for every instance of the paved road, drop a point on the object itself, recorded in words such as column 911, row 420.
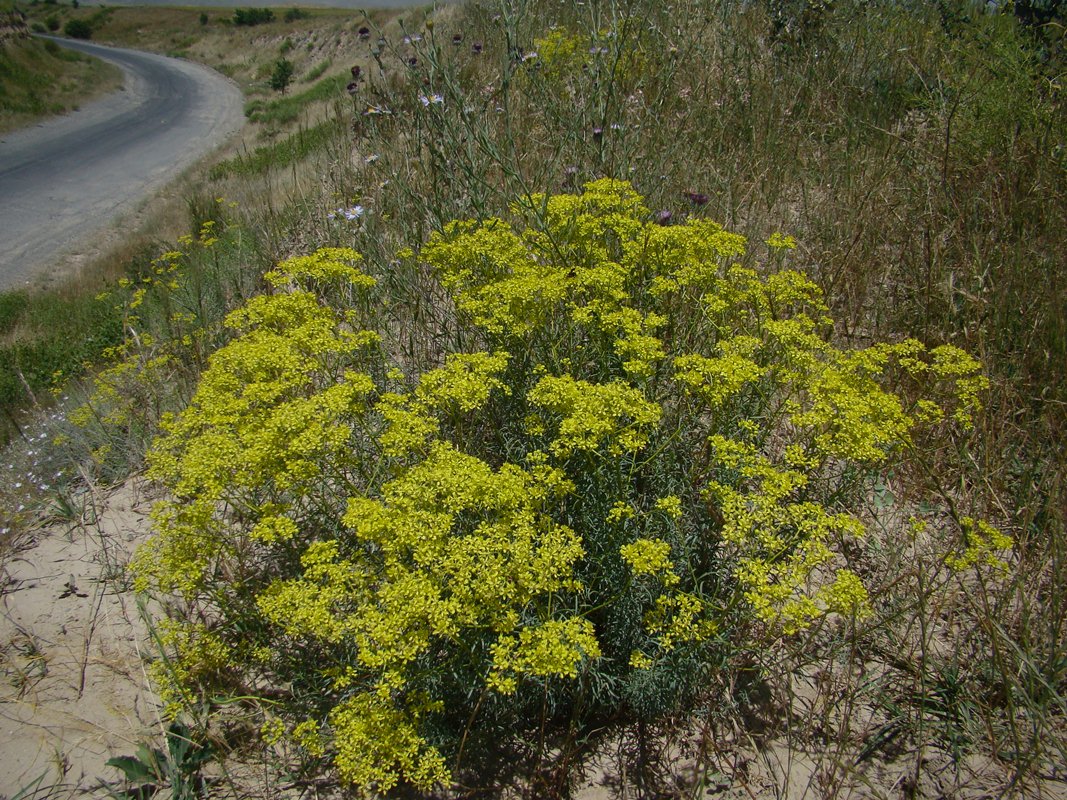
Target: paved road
column 66, row 179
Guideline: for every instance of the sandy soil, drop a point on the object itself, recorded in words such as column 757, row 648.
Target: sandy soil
column 73, row 692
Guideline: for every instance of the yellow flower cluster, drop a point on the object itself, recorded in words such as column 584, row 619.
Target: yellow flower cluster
column 781, row 540
column 555, row 648
column 594, row 415
column 981, row 544
column 461, row 386
column 649, row 557
column 377, row 743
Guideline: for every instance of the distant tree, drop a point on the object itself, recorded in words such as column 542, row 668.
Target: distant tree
column 78, row 29
column 282, row 75
column 203, row 18
column 252, row 16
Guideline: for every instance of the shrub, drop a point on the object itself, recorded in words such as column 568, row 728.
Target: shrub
column 630, row 452
column 252, row 16
column 282, row 75
column 78, row 29
column 52, row 22
column 293, row 14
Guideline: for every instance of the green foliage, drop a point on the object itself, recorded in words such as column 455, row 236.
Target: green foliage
column 151, row 769
column 294, row 14
column 49, row 335
column 280, row 154
column 631, row 450
column 78, row 29
column 283, row 110
column 52, row 22
column 318, row 71
column 252, row 16
column 282, row 75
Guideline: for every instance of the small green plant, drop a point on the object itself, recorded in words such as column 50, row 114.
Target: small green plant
column 150, row 770
column 52, row 22
column 203, row 18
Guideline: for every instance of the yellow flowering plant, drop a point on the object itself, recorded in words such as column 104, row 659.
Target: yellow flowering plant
column 629, row 450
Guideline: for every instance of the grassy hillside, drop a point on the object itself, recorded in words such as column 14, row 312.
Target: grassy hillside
column 668, row 457
column 40, row 79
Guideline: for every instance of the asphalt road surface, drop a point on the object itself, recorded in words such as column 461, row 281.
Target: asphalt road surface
column 64, row 180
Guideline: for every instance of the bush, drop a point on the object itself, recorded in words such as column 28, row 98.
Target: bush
column 282, row 75
column 293, row 14
column 628, row 451
column 252, row 16
column 52, row 22
column 78, row 29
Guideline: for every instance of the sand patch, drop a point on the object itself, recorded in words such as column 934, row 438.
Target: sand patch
column 73, row 691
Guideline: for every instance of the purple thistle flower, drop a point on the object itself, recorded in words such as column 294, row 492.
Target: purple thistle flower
column 352, row 88
column 364, row 32
column 356, row 72
column 457, row 38
column 598, row 133
column 476, row 48
column 412, row 62
column 664, row 217
column 697, row 198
